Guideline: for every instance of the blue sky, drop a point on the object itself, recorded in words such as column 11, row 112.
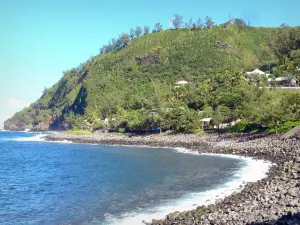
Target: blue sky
column 39, row 39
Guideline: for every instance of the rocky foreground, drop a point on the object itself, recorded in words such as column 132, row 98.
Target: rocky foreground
column 272, row 200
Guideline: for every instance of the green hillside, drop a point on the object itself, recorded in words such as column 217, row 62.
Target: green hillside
column 139, row 79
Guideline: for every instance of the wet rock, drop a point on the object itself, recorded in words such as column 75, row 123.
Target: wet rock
column 173, row 216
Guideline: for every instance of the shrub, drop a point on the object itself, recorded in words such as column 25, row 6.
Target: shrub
column 198, row 131
column 240, row 23
column 122, row 130
column 244, row 127
column 239, row 127
column 181, row 120
column 284, row 127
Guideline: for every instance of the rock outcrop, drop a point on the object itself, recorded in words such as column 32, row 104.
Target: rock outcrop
column 294, row 133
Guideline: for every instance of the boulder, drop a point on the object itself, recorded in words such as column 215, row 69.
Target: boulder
column 222, row 45
column 294, row 133
column 173, row 216
column 293, row 203
column 294, row 192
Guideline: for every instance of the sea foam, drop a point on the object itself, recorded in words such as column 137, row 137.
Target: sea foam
column 40, row 138
column 252, row 171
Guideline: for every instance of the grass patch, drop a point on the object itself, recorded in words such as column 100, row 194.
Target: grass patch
column 198, row 131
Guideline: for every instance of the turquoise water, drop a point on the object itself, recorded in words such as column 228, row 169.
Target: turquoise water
column 59, row 183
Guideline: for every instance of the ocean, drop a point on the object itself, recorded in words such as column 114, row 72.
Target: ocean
column 65, row 183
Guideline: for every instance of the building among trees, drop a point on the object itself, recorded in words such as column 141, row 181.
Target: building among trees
column 286, row 81
column 256, row 71
column 182, row 83
column 206, row 122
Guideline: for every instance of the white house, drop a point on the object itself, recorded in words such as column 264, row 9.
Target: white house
column 256, row 71
column 182, row 82
column 280, row 79
column 205, row 122
column 286, row 81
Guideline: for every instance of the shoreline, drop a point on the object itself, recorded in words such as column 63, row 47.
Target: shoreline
column 272, row 200
column 190, row 201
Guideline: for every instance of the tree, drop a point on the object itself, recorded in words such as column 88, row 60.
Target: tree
column 231, row 18
column 208, row 22
column 287, row 39
column 102, row 50
column 295, row 57
column 221, row 115
column 273, row 115
column 199, row 23
column 177, row 21
column 181, row 119
column 207, row 111
column 138, row 31
column 56, row 113
column 283, row 25
column 45, row 92
column 110, row 47
column 131, row 33
column 189, row 25
column 240, row 23
column 291, row 105
column 157, row 27
column 146, row 30
column 114, row 43
column 117, row 43
column 106, row 48
column 194, row 27
column 124, row 38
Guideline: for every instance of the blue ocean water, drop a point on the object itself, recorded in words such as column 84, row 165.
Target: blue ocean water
column 60, row 183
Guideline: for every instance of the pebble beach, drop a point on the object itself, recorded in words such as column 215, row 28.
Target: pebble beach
column 271, row 200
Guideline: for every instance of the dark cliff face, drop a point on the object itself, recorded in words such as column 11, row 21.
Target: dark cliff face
column 16, row 123
column 14, row 127
column 19, row 122
column 23, row 121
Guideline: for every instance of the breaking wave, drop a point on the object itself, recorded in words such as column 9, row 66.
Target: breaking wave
column 252, row 171
column 39, row 137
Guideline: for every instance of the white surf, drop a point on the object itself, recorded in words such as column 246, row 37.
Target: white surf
column 253, row 171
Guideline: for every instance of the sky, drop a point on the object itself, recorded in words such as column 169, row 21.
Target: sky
column 39, row 39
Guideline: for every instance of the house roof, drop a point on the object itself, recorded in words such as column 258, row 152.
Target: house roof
column 182, row 82
column 285, row 78
column 206, row 119
column 256, row 71
column 281, row 78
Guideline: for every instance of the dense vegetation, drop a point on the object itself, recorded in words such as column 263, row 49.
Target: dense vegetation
column 130, row 85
